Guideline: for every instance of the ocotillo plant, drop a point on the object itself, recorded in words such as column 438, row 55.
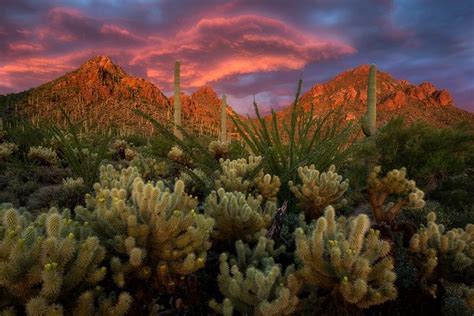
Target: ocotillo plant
column 369, row 119
column 177, row 103
column 223, row 136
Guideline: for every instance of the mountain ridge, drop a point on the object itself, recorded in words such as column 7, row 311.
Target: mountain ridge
column 102, row 93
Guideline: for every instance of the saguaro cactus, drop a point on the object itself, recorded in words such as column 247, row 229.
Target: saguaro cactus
column 369, row 119
column 177, row 102
column 223, row 136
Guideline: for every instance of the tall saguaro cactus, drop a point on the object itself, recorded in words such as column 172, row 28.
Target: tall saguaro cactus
column 223, row 136
column 177, row 102
column 369, row 119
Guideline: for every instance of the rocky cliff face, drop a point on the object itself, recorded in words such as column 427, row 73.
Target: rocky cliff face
column 394, row 97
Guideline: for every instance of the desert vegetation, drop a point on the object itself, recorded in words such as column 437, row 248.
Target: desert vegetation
column 314, row 215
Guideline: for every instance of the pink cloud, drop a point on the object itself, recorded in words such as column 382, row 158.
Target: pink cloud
column 211, row 50
column 216, row 48
column 25, row 47
column 111, row 29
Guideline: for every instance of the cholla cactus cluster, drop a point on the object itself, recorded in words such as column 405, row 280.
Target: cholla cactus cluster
column 72, row 184
column 394, row 183
column 149, row 168
column 345, row 256
column 177, row 155
column 267, row 185
column 6, row 150
column 318, row 189
column 43, row 155
column 238, row 216
column 234, row 174
column 156, row 232
column 444, row 253
column 48, row 265
column 235, row 177
column 253, row 284
column 219, row 149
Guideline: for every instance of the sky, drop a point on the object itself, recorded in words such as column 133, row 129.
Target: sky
column 241, row 48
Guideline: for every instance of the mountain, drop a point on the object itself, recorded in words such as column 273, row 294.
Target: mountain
column 394, row 98
column 101, row 93
column 98, row 92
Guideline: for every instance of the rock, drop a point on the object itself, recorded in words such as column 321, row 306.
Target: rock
column 444, row 98
column 399, row 99
column 427, row 88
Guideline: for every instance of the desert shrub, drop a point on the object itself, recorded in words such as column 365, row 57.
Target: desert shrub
column 184, row 155
column 43, row 155
column 318, row 190
column 7, row 150
column 238, row 216
column 49, row 267
column 25, row 135
column 442, row 254
column 252, row 283
column 348, row 259
column 451, row 151
column 18, row 182
column 82, row 157
column 456, row 192
column 152, row 232
column 306, row 140
column 393, row 184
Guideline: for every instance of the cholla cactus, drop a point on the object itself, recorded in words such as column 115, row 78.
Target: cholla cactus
column 253, row 284
column 178, row 156
column 149, row 168
column 153, row 231
column 72, row 184
column 395, row 182
column 318, row 190
column 235, row 176
column 268, row 186
column 49, row 262
column 237, row 216
column 345, row 256
column 444, row 254
column 6, row 150
column 219, row 149
column 43, row 155
column 234, row 172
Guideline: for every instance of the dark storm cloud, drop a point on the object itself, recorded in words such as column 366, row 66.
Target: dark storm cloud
column 242, row 48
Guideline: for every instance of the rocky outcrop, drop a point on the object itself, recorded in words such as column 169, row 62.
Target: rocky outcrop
column 348, row 91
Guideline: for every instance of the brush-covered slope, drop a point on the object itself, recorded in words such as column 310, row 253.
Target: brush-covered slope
column 99, row 93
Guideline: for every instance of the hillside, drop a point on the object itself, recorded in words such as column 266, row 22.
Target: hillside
column 101, row 93
column 394, row 98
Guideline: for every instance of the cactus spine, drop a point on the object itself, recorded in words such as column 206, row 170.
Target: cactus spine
column 177, row 102
column 369, row 119
column 223, row 136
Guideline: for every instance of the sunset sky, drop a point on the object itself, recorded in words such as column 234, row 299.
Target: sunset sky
column 239, row 47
